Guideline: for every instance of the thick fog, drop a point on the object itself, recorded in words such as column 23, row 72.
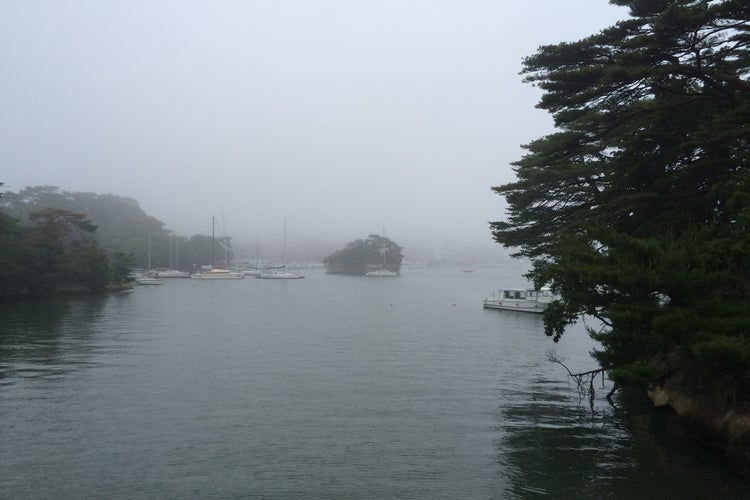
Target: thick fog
column 345, row 117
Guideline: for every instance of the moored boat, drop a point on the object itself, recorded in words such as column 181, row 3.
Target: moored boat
column 218, row 274
column 520, row 299
column 250, row 270
column 147, row 280
column 279, row 274
column 213, row 272
column 172, row 273
column 382, row 273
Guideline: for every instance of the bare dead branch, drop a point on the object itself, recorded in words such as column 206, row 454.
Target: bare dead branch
column 585, row 381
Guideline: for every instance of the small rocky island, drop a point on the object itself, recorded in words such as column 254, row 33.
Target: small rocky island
column 360, row 257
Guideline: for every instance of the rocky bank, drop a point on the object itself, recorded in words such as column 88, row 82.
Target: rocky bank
column 710, row 408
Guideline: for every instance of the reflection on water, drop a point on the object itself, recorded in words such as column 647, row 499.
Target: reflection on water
column 330, row 387
column 32, row 339
column 553, row 445
column 49, row 338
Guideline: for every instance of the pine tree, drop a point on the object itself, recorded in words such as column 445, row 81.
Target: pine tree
column 637, row 209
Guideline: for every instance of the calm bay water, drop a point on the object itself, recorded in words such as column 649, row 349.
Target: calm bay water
column 327, row 387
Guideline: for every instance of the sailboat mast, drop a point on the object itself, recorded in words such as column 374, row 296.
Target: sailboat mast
column 284, row 253
column 384, row 249
column 213, row 241
column 224, row 235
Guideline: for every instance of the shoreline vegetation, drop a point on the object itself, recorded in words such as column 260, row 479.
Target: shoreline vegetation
column 635, row 210
column 56, row 254
column 55, row 242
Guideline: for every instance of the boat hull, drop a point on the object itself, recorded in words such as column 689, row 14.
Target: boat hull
column 284, row 275
column 223, row 276
column 147, row 281
column 514, row 306
column 172, row 274
column 382, row 274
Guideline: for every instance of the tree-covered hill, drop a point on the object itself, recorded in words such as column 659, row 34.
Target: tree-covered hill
column 362, row 256
column 55, row 253
column 121, row 227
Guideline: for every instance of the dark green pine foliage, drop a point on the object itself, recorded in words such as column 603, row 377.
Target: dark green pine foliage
column 13, row 254
column 637, row 210
column 121, row 224
column 55, row 253
column 62, row 253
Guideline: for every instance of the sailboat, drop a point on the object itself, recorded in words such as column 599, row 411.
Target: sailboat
column 281, row 273
column 254, row 270
column 217, row 273
column 147, row 279
column 384, row 272
column 173, row 271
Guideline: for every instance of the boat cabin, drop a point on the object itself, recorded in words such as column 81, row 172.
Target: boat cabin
column 526, row 294
column 520, row 299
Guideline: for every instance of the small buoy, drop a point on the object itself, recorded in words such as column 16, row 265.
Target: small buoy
column 390, row 305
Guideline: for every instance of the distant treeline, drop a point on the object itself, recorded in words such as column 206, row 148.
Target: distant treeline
column 52, row 240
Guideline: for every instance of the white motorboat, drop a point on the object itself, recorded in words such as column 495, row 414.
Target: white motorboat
column 520, row 299
column 382, row 273
column 218, row 274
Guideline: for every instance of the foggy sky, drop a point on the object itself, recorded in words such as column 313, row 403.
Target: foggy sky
column 345, row 117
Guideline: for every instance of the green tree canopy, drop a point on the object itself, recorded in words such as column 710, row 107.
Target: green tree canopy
column 202, row 250
column 121, row 224
column 12, row 254
column 55, row 253
column 637, row 209
column 362, row 256
column 122, row 227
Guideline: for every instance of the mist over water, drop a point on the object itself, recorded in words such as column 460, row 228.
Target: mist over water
column 327, row 387
column 342, row 117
